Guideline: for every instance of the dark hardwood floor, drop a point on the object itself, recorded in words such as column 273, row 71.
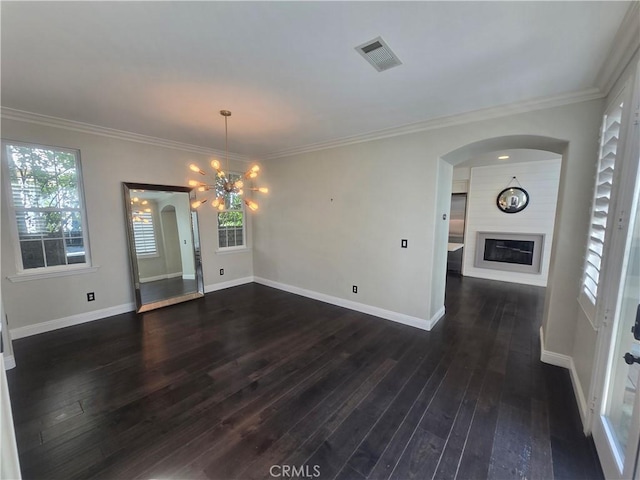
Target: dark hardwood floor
column 249, row 378
column 166, row 288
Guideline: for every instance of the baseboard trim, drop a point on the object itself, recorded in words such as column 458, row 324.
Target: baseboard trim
column 436, row 318
column 48, row 326
column 565, row 361
column 164, row 276
column 231, row 283
column 358, row 307
column 29, row 330
column 9, row 362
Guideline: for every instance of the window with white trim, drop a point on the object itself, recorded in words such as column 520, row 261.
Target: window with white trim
column 609, row 137
column 144, row 233
column 231, row 231
column 46, row 202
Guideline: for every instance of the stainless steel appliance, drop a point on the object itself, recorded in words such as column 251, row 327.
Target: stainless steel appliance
column 456, row 232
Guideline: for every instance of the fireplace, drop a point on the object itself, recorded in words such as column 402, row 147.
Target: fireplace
column 513, row 252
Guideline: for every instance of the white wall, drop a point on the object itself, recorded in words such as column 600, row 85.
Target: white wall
column 185, row 238
column 335, row 217
column 106, row 162
column 540, row 179
column 171, row 241
column 440, row 239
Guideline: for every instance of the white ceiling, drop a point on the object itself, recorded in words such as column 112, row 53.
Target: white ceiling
column 288, row 70
column 516, row 155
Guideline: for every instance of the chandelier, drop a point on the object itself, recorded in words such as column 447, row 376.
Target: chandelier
column 227, row 188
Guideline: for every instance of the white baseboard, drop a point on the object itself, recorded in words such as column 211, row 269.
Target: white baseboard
column 189, row 276
column 231, row 283
column 436, row 318
column 162, row 277
column 358, row 307
column 27, row 331
column 565, row 361
column 9, row 362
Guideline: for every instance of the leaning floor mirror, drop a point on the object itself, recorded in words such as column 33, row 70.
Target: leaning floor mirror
column 164, row 245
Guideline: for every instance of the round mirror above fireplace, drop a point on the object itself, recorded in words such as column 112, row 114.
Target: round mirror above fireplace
column 512, row 200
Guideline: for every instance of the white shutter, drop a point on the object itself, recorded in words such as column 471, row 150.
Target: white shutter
column 609, row 136
column 144, row 233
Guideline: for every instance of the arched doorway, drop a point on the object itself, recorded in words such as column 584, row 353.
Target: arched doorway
column 497, row 144
column 171, row 240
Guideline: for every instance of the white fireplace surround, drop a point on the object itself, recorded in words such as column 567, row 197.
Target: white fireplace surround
column 538, row 248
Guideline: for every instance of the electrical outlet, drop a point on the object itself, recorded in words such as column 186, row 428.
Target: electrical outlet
column 222, row 271
column 91, row 296
column 355, row 289
column 403, row 243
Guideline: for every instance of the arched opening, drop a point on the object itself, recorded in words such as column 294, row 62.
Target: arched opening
column 483, row 155
column 171, row 240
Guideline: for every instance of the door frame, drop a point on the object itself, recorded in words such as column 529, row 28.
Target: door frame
column 628, row 181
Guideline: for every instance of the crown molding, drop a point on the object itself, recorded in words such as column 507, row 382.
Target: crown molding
column 625, row 45
column 433, row 124
column 448, row 121
column 30, row 117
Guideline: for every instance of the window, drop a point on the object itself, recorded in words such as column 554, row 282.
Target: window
column 144, row 233
column 609, row 136
column 231, row 221
column 47, row 205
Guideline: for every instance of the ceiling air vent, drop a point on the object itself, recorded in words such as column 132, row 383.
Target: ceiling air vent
column 378, row 54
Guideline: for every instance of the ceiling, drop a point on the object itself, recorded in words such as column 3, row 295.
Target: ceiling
column 516, row 155
column 288, row 70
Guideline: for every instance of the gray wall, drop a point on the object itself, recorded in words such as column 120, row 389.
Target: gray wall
column 335, row 217
column 106, row 162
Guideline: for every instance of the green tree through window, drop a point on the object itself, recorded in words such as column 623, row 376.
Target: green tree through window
column 231, row 221
column 47, row 205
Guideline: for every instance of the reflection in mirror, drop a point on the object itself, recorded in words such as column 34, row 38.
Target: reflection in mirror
column 163, row 244
column 512, row 200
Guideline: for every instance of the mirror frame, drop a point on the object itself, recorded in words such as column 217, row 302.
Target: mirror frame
column 502, row 201
column 195, row 240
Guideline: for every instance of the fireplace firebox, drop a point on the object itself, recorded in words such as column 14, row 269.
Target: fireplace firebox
column 514, row 252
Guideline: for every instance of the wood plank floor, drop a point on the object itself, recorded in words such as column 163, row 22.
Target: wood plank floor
column 245, row 379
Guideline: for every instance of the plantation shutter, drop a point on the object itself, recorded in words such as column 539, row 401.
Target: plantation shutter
column 609, row 137
column 143, row 233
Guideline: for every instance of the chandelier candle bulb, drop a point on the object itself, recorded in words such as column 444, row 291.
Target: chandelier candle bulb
column 229, row 190
column 194, row 168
